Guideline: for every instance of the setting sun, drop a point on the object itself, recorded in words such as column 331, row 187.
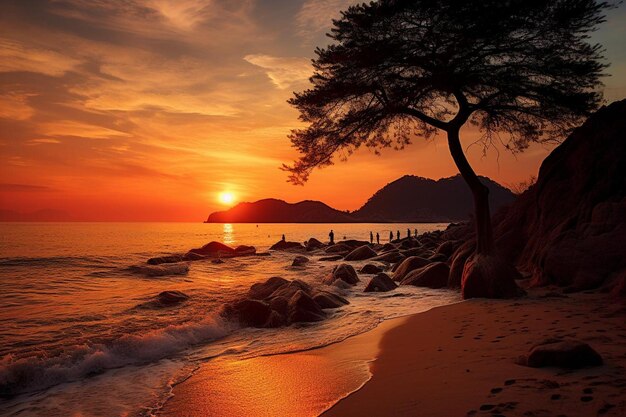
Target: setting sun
column 226, row 197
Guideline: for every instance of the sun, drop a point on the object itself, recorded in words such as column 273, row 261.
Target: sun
column 226, row 197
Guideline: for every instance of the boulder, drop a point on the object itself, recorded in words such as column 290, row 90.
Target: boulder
column 244, row 250
column 172, row 297
column 489, row 276
column 380, row 283
column 434, row 275
column 342, row 285
column 214, row 250
column 284, row 245
column 393, row 256
column 279, row 304
column 371, row 269
column 326, row 299
column 361, row 253
column 343, row 272
column 338, row 248
column 302, row 308
column 448, row 247
column 191, row 256
column 252, row 313
column 263, row 290
column 569, row 354
column 353, row 243
column 459, row 257
column 165, row 259
column 300, row 261
column 419, row 251
column 291, row 288
column 388, row 246
column 407, row 265
column 331, row 258
column 313, row 244
column 275, row 320
column 180, row 268
column 438, row 257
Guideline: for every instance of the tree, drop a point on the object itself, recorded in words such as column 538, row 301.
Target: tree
column 400, row 69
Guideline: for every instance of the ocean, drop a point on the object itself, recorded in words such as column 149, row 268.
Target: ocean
column 79, row 335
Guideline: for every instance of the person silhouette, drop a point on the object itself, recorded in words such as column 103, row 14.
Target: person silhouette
column 398, row 234
column 371, row 237
column 283, row 239
column 415, row 232
column 390, row 236
column 408, row 233
column 377, row 238
column 331, row 236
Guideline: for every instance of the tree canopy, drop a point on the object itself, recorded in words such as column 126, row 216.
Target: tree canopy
column 400, row 69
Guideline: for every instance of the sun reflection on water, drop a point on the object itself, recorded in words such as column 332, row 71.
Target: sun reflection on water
column 229, row 235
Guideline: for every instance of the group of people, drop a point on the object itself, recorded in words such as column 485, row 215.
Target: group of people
column 331, row 236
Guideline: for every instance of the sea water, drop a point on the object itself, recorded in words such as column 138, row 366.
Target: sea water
column 79, row 335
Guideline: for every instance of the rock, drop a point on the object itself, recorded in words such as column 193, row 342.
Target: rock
column 371, row 269
column 342, row 285
column 407, row 265
column 302, row 308
column 489, row 276
column 172, row 297
column 313, row 244
column 217, row 261
column 569, row 354
column 326, row 299
column 380, row 283
column 459, row 257
column 263, row 290
column 331, row 258
column 300, row 261
column 388, row 247
column 291, row 288
column 190, row 256
column 447, row 248
column 165, row 260
column 275, row 320
column 438, row 257
column 353, row 244
column 389, row 257
column 419, row 251
column 243, row 250
column 214, row 250
column 180, row 268
column 434, row 275
column 284, row 245
column 342, row 272
column 262, row 254
column 253, row 313
column 279, row 304
column 338, row 248
column 361, row 253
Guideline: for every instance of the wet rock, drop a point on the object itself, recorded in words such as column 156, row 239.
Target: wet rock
column 388, row 247
column 326, row 299
column 342, row 285
column 284, row 245
column 263, row 290
column 313, row 244
column 371, row 269
column 275, row 320
column 407, row 265
column 302, row 308
column 389, row 257
column 172, row 297
column 361, row 253
column 244, row 250
column 213, row 249
column 569, row 354
column 180, row 268
column 342, row 272
column 291, row 288
column 165, row 260
column 353, row 243
column 190, row 256
column 254, row 313
column 338, row 248
column 279, row 304
column 434, row 275
column 381, row 283
column 331, row 258
column 300, row 261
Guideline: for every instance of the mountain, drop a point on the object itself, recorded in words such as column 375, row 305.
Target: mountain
column 408, row 199
column 417, row 199
column 278, row 211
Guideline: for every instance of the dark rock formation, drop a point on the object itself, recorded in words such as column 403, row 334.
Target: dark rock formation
column 302, row 308
column 263, row 290
column 327, row 299
column 483, row 278
column 252, row 313
column 434, row 275
column 371, row 269
column 338, row 248
column 213, row 249
column 313, row 244
column 361, row 253
column 165, row 259
column 343, row 272
column 409, row 264
column 172, row 297
column 331, row 258
column 284, row 245
column 393, row 256
column 300, row 261
column 569, row 354
column 380, row 283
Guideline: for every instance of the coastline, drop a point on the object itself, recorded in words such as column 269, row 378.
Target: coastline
column 453, row 360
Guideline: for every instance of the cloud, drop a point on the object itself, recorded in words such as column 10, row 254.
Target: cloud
column 14, row 105
column 14, row 56
column 315, row 16
column 28, row 188
column 283, row 72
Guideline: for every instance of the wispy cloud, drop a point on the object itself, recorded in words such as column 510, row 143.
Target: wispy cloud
column 284, row 72
column 315, row 16
column 26, row 188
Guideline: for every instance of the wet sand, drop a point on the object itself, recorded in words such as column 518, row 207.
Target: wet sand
column 456, row 360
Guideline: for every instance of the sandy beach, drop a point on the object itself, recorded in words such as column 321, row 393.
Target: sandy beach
column 455, row 360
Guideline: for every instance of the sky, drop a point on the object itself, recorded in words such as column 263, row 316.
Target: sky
column 148, row 110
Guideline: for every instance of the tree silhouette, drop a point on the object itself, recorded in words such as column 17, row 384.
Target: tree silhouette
column 400, row 69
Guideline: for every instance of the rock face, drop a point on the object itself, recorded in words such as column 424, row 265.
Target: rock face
column 434, row 275
column 343, row 272
column 361, row 253
column 409, row 264
column 569, row 354
column 380, row 283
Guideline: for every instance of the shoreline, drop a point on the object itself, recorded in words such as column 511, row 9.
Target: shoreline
column 457, row 359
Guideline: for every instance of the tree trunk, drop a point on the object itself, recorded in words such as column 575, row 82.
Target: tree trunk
column 484, row 232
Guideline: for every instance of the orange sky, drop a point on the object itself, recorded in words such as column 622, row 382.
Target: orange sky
column 148, row 109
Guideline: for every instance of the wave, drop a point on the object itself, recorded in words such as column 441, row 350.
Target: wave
column 22, row 375
column 87, row 261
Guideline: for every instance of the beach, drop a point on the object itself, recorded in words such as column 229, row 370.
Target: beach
column 455, row 360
